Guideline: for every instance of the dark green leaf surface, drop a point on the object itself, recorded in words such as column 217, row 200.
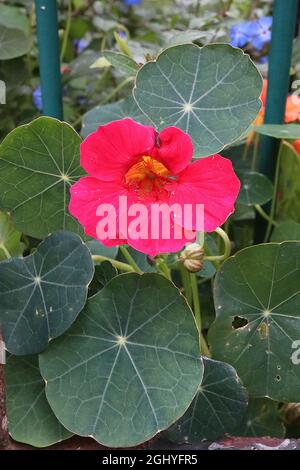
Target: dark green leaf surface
column 38, row 163
column 110, row 112
column 217, row 409
column 286, row 231
column 255, row 188
column 258, row 318
column 30, row 417
column 212, row 93
column 261, row 419
column 42, row 294
column 104, row 272
column 129, row 367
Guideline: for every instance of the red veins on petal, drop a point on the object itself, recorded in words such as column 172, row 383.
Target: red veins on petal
column 132, row 161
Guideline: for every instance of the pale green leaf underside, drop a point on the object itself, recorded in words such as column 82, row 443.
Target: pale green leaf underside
column 110, row 112
column 42, row 294
column 217, row 408
column 13, row 43
column 38, row 164
column 129, row 367
column 30, row 417
column 280, row 131
column 212, row 93
column 257, row 295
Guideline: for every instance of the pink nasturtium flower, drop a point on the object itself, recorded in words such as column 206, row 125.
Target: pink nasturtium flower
column 127, row 159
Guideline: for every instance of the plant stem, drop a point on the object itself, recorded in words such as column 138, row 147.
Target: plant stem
column 245, row 151
column 264, row 215
column 186, row 284
column 197, row 312
column 130, row 259
column 204, row 347
column 227, row 246
column 162, row 266
column 5, row 250
column 196, row 303
column 116, row 90
column 117, row 264
column 273, row 204
column 66, row 32
column 255, row 152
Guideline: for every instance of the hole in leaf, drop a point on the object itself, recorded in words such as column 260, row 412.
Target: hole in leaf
column 278, row 378
column 239, row 322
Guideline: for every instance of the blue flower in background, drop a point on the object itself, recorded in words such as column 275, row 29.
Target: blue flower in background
column 81, row 44
column 263, row 60
column 261, row 32
column 133, row 2
column 37, row 98
column 239, row 34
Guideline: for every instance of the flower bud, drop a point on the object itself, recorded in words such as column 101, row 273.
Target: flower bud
column 193, row 257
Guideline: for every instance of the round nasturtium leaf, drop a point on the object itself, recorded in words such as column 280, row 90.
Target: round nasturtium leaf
column 110, row 112
column 30, row 418
column 129, row 367
column 210, row 92
column 261, row 419
column 257, row 326
column 285, row 231
column 280, row 131
column 217, row 409
column 42, row 294
column 255, row 188
column 13, row 43
column 38, row 163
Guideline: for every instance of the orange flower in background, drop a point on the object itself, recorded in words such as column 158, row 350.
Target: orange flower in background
column 296, row 145
column 292, row 113
column 292, row 110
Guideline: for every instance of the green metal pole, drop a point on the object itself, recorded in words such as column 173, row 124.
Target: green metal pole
column 48, row 44
column 283, row 32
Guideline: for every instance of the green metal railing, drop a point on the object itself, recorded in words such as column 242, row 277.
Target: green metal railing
column 49, row 60
column 283, row 32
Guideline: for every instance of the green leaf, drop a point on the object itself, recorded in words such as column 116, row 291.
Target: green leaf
column 261, row 419
column 38, row 163
column 97, row 248
column 121, row 62
column 10, row 238
column 30, row 417
column 255, row 188
column 258, row 318
column 280, row 131
column 110, row 112
column 104, row 272
column 13, row 17
column 212, row 93
column 183, row 37
column 13, row 43
column 217, row 408
column 286, row 231
column 42, row 294
column 129, row 367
